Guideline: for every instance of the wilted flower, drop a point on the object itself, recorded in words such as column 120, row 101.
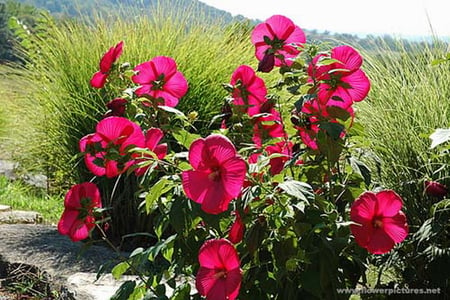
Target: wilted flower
column 380, row 222
column 160, row 80
column 109, row 58
column 116, row 107
column 237, row 229
column 435, row 189
column 219, row 276
column 218, row 173
column 78, row 219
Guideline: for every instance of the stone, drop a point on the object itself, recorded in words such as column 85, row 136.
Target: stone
column 84, row 285
column 20, row 217
column 43, row 247
column 4, row 207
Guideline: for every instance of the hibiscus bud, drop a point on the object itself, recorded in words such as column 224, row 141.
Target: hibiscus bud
column 266, row 64
column 435, row 189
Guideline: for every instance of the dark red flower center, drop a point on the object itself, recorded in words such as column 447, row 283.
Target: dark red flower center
column 215, row 174
column 158, row 84
column 377, row 222
column 221, row 274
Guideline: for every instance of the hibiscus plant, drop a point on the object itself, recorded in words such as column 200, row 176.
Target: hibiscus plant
column 273, row 204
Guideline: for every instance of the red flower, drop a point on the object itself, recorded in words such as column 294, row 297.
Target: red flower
column 78, row 219
column 277, row 163
column 161, row 81
column 219, row 276
column 237, row 230
column 116, row 107
column 381, row 224
column 343, row 82
column 218, row 173
column 109, row 58
column 106, row 149
column 268, row 123
column 249, row 90
column 279, row 36
column 310, row 118
column 435, row 189
column 152, row 138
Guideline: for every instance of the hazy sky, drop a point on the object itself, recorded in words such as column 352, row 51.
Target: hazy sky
column 395, row 17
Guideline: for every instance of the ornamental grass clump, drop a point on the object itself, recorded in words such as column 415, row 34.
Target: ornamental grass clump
column 254, row 209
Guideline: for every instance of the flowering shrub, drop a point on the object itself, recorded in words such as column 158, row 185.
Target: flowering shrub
column 273, row 203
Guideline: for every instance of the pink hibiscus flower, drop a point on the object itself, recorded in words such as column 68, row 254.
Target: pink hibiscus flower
column 106, row 62
column 116, row 107
column 380, row 222
column 219, row 276
column 343, row 82
column 308, row 122
column 249, row 89
column 160, row 80
column 237, row 230
column 218, row 173
column 106, row 150
column 78, row 219
column 268, row 125
column 152, row 138
column 276, row 41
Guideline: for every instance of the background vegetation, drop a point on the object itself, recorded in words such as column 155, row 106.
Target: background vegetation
column 47, row 105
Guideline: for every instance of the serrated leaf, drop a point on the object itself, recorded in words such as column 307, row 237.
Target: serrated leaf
column 120, row 269
column 439, row 136
column 185, row 138
column 298, row 189
column 157, row 190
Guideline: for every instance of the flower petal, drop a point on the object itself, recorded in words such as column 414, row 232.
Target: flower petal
column 152, row 137
column 219, row 147
column 232, row 174
column 396, row 227
column 388, row 204
column 380, row 242
column 362, row 232
column 98, row 80
column 177, row 85
column 164, row 65
column 363, row 208
column 146, row 73
column 360, row 85
column 68, row 218
column 348, row 56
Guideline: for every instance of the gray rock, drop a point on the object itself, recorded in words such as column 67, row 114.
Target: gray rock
column 42, row 246
column 85, row 286
column 20, row 217
column 8, row 169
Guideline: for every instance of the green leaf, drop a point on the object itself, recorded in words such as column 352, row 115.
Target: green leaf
column 334, row 130
column 173, row 110
column 120, row 269
column 161, row 245
column 158, row 189
column 439, row 136
column 124, row 291
column 185, row 138
column 298, row 189
column 361, row 169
